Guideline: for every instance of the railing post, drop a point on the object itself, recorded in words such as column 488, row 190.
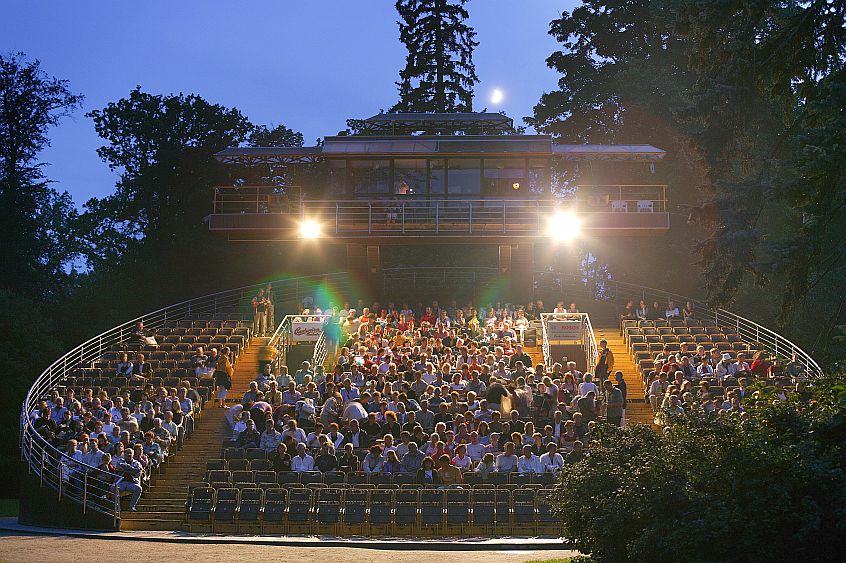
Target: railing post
column 85, row 493
column 61, row 477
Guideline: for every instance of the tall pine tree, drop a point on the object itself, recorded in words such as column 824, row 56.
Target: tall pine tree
column 439, row 74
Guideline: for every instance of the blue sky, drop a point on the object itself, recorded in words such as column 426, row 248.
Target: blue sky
column 307, row 64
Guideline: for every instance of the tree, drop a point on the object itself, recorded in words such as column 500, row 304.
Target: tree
column 439, row 74
column 163, row 147
column 768, row 485
column 37, row 226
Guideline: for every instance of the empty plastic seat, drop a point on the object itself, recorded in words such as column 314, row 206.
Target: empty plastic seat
column 238, row 465
column 200, row 504
column 380, row 505
column 381, row 479
column 406, row 507
column 329, row 506
column 545, row 514
column 216, row 465
column 288, row 478
column 265, row 479
column 250, row 505
column 524, row 505
column 275, row 502
column 226, row 505
column 254, row 453
column 355, row 506
column 503, row 506
column 299, row 505
column 219, row 478
column 261, row 465
column 357, row 478
column 334, row 478
column 458, row 506
column 431, row 507
column 484, row 501
column 233, row 453
column 311, row 478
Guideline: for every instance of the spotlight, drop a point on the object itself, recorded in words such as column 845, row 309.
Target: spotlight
column 309, row 229
column 563, row 226
column 515, row 185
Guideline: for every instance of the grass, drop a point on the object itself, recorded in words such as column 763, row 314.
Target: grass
column 9, row 507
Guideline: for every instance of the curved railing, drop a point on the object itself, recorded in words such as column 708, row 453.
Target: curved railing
column 620, row 292
column 93, row 488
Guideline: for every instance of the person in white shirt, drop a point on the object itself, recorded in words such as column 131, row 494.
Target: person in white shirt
column 298, row 434
column 587, row 386
column 552, row 461
column 94, row 455
column 241, row 425
column 302, row 461
column 475, row 450
column 506, row 462
column 529, row 463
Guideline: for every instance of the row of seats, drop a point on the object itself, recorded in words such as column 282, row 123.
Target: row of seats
column 251, row 475
column 375, row 512
column 206, row 323
column 691, row 323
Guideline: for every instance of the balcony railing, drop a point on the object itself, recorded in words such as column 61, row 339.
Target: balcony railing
column 598, row 207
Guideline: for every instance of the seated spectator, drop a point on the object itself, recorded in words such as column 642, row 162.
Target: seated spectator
column 506, row 462
column 486, row 466
column 295, row 433
column 270, row 438
column 551, row 461
column 348, row 462
column 302, row 461
column 326, row 460
column 529, row 463
column 449, row 474
column 131, row 472
column 577, row 454
column 373, row 460
column 250, row 437
column 281, row 459
column 461, row 460
column 672, row 312
column 427, row 475
column 413, row 460
column 252, row 395
column 391, row 464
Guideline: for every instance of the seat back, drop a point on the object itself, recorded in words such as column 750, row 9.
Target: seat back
column 226, row 505
column 355, row 506
column 275, row 501
column 249, row 506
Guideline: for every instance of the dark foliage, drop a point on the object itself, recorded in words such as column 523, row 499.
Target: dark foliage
column 765, row 486
column 439, row 74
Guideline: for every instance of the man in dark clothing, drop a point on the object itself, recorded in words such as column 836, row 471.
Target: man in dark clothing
column 520, row 356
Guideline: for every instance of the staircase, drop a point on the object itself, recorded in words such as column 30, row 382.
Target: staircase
column 636, row 410
column 162, row 507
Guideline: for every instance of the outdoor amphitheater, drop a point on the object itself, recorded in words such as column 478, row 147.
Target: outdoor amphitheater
column 610, row 330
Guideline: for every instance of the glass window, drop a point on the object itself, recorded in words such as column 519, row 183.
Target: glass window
column 410, row 176
column 464, row 176
column 370, row 176
column 538, row 176
column 437, row 176
column 502, row 174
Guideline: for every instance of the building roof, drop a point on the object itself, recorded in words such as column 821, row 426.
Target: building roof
column 438, row 123
column 406, row 145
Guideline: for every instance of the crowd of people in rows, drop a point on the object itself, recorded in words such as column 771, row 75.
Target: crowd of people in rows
column 129, row 435
column 433, row 390
column 689, row 377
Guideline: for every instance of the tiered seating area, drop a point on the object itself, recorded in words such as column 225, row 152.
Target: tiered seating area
column 647, row 339
column 95, row 393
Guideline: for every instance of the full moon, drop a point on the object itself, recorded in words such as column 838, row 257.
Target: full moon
column 496, row 96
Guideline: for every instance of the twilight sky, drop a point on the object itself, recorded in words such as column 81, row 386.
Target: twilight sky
column 307, row 64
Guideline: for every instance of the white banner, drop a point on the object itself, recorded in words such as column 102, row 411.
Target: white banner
column 306, row 331
column 564, row 330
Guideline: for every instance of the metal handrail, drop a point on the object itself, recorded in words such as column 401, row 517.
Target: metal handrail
column 282, row 338
column 618, row 292
column 47, row 462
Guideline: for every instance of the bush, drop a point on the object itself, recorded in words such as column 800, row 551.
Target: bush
column 768, row 485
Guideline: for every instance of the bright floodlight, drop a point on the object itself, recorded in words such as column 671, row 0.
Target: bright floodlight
column 497, row 96
column 309, row 229
column 564, row 226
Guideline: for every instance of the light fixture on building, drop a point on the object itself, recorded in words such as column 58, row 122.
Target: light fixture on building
column 309, row 229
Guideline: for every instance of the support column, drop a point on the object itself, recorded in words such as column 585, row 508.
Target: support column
column 522, row 269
